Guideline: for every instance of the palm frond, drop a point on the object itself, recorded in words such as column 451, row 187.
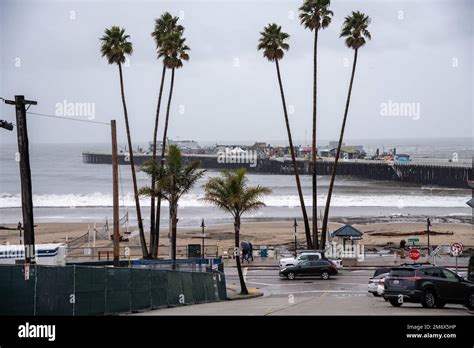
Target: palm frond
column 315, row 14
column 273, row 42
column 115, row 45
column 354, row 30
column 230, row 192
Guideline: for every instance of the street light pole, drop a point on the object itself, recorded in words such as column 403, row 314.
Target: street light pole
column 202, row 226
column 295, row 225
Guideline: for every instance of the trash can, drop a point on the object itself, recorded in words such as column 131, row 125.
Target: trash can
column 263, row 251
column 194, row 250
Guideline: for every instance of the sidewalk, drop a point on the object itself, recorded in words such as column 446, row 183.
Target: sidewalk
column 233, row 293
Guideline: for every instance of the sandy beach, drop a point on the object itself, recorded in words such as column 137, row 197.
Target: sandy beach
column 272, row 233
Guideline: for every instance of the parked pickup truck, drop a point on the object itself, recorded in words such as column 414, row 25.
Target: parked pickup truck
column 305, row 256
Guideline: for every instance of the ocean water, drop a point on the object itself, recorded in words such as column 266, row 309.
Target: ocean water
column 67, row 190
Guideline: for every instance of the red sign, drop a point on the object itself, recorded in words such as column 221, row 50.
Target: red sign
column 414, row 254
column 456, row 249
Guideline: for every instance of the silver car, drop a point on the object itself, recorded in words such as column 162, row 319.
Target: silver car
column 376, row 284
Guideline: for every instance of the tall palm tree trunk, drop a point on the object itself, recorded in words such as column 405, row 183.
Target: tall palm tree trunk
column 132, row 165
column 163, row 149
column 336, row 160
column 154, row 236
column 243, row 287
column 293, row 158
column 173, row 227
column 313, row 149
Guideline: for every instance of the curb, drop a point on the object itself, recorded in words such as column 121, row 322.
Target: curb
column 238, row 297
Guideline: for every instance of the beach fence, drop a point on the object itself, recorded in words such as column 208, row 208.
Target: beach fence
column 84, row 251
column 82, row 290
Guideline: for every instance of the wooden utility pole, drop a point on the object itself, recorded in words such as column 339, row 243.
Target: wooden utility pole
column 428, row 224
column 115, row 194
column 25, row 175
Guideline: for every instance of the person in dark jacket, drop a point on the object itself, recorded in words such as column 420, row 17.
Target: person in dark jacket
column 250, row 252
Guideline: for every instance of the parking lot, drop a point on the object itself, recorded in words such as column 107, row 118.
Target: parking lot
column 344, row 294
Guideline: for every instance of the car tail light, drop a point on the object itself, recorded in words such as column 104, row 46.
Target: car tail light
column 381, row 282
column 411, row 278
column 333, row 266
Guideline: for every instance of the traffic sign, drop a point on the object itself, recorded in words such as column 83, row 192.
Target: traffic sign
column 436, row 251
column 414, row 254
column 413, row 240
column 456, row 248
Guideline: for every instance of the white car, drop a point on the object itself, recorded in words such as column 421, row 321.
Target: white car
column 376, row 284
column 306, row 256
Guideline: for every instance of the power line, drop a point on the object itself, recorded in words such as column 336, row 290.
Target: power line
column 67, row 118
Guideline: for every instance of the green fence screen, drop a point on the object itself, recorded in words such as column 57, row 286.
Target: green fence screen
column 86, row 290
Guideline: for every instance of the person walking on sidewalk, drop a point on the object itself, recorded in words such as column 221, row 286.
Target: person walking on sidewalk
column 250, row 252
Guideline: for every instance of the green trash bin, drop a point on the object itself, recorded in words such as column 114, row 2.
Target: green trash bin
column 194, row 250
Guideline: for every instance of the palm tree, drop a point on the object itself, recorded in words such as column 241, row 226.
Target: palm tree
column 173, row 181
column 230, row 192
column 315, row 15
column 173, row 51
column 273, row 43
column 163, row 26
column 355, row 32
column 115, row 45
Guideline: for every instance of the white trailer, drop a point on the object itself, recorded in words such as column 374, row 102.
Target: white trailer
column 46, row 254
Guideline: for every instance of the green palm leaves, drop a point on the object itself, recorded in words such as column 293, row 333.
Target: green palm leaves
column 230, row 192
column 315, row 14
column 170, row 43
column 273, row 42
column 174, row 50
column 115, row 45
column 174, row 179
column 354, row 30
column 165, row 25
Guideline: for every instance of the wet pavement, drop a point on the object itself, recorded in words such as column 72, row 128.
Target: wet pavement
column 344, row 294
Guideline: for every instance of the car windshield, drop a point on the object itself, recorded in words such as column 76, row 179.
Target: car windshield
column 381, row 276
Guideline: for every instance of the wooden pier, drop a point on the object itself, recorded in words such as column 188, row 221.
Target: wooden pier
column 436, row 174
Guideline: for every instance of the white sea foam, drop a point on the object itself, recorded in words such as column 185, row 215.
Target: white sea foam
column 194, row 200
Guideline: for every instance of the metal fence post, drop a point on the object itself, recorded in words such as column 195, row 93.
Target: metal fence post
column 36, row 282
column 105, row 292
column 74, row 291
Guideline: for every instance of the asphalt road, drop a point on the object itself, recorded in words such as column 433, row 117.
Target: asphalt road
column 344, row 294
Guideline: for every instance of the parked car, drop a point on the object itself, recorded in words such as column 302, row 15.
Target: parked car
column 376, row 284
column 323, row 268
column 429, row 285
column 381, row 270
column 306, row 256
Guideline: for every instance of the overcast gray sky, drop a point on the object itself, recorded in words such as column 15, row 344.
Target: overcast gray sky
column 421, row 52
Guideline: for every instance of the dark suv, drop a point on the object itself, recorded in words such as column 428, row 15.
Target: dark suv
column 324, row 268
column 429, row 285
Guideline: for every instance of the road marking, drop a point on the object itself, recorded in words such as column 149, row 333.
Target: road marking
column 302, row 284
column 318, row 291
